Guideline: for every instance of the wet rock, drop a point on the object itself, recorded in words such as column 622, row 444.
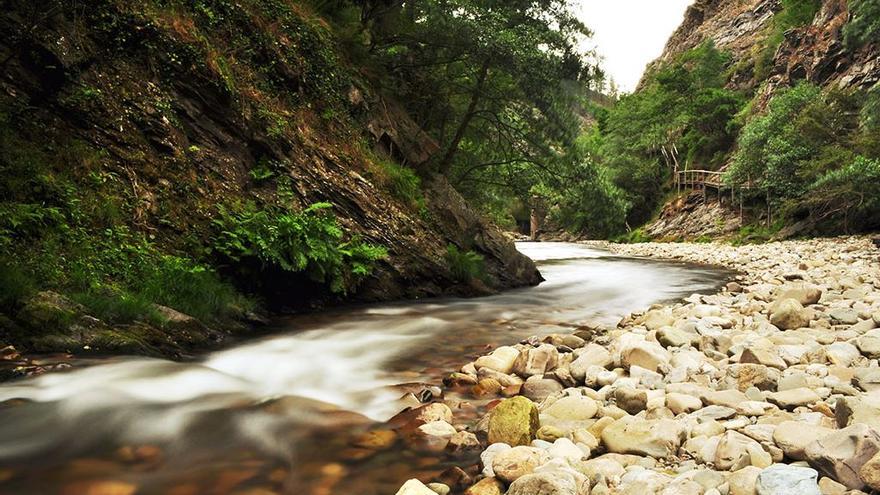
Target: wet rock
column 415, row 487
column 509, row 465
column 487, row 387
column 514, row 422
column 486, row 486
column 376, row 440
column 434, row 412
column 632, row 435
column 789, row 314
column 462, row 441
column 781, row 479
column 841, row 454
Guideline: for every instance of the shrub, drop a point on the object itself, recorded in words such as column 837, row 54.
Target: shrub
column 192, row 289
column 465, row 266
column 116, row 306
column 310, row 241
column 636, row 236
column 15, row 285
column 850, row 194
column 864, row 24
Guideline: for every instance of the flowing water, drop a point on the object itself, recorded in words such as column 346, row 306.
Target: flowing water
column 278, row 415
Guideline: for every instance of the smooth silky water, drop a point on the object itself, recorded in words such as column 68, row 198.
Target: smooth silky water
column 278, row 414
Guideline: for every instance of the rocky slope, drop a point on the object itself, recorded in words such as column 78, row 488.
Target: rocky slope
column 814, row 52
column 164, row 114
column 767, row 387
column 763, row 60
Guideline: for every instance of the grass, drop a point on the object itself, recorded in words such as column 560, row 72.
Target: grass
column 465, row 266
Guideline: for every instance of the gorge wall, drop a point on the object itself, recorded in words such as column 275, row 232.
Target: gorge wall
column 158, row 116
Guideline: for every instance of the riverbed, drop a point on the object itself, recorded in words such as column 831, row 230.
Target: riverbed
column 277, row 415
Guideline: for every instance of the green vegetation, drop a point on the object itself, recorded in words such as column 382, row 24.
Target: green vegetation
column 814, row 153
column 310, row 241
column 864, row 25
column 682, row 115
column 465, row 266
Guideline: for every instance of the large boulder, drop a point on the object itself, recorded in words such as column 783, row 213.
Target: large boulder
column 514, row 422
column 789, row 314
column 782, row 479
column 655, row 438
column 842, row 454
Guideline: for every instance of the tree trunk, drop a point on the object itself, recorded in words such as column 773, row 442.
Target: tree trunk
column 446, row 161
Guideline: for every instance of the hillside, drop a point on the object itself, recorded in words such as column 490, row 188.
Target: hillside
column 169, row 152
column 782, row 98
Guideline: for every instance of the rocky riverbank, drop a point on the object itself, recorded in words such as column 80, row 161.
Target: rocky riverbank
column 769, row 387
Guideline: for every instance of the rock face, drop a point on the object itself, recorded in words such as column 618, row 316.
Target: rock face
column 514, row 422
column 813, row 52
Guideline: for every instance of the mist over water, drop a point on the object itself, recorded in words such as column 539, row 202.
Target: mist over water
column 267, row 398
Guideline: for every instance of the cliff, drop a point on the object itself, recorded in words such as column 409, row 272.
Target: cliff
column 743, row 28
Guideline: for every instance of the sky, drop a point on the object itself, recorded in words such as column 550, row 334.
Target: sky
column 628, row 34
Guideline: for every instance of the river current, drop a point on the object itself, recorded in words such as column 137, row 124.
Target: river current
column 278, row 414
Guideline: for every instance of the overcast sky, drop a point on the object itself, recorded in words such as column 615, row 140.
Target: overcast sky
column 630, row 33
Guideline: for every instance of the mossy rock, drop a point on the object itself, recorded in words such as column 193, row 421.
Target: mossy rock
column 49, row 312
column 514, row 422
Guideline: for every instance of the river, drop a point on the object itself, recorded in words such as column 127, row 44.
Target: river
column 278, row 414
